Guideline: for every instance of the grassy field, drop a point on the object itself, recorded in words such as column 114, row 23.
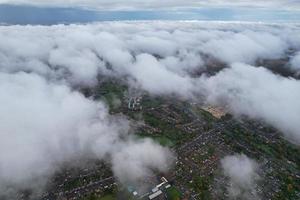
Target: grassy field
column 164, row 141
column 173, row 194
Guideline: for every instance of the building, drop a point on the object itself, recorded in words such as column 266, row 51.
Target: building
column 134, row 103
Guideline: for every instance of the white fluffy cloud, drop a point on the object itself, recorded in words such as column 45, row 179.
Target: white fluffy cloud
column 242, row 172
column 80, row 51
column 45, row 124
column 43, row 116
column 246, row 46
column 137, row 160
column 162, row 58
column 146, row 4
column 147, row 71
column 258, row 93
column 295, row 63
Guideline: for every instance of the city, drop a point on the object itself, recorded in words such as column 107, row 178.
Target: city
column 200, row 136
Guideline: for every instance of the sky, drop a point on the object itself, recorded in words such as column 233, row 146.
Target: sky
column 79, row 11
column 156, row 4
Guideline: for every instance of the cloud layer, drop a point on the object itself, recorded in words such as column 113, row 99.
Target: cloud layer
column 258, row 93
column 165, row 58
column 46, row 122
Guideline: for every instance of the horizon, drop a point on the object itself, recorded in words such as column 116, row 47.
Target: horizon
column 28, row 14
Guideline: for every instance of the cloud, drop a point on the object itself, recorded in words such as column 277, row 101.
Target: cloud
column 243, row 175
column 147, row 71
column 46, row 124
column 137, row 160
column 150, row 4
column 295, row 63
column 258, row 93
column 246, row 47
column 165, row 58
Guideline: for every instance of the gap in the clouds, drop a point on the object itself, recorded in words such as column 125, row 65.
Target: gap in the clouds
column 12, row 14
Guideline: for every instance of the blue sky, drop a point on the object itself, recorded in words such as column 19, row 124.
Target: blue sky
column 29, row 14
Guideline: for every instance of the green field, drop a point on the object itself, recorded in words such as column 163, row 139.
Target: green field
column 173, row 194
column 164, row 141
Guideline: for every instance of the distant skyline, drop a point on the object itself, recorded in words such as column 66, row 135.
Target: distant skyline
column 27, row 14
